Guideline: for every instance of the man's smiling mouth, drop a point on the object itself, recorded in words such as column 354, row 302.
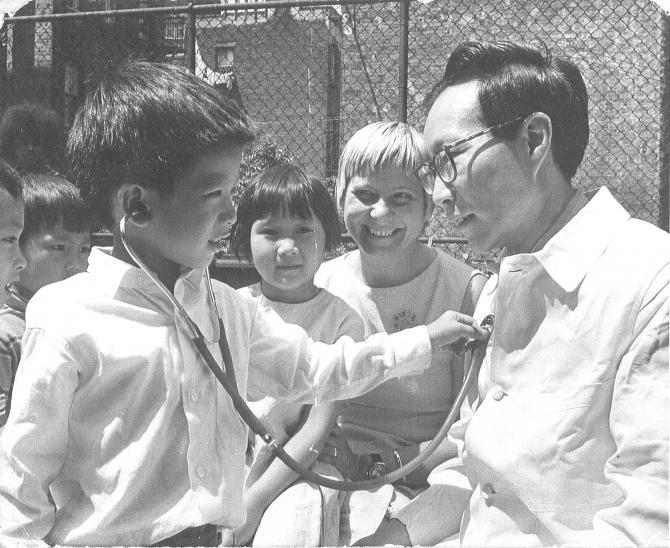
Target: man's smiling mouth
column 462, row 221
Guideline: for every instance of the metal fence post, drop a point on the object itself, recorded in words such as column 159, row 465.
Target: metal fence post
column 403, row 54
column 664, row 205
column 190, row 37
column 3, row 66
column 333, row 94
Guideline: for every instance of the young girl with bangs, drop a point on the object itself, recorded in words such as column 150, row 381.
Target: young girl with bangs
column 286, row 222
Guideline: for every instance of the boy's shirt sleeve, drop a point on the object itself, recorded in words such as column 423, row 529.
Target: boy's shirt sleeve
column 286, row 364
column 8, row 361
column 33, row 443
column 11, row 331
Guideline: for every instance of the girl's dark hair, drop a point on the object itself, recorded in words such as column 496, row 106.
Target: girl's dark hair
column 34, row 123
column 50, row 200
column 146, row 123
column 10, row 180
column 284, row 190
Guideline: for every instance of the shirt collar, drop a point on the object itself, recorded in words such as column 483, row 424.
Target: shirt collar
column 190, row 289
column 576, row 203
column 570, row 253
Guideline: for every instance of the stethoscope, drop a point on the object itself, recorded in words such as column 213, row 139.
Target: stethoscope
column 474, row 354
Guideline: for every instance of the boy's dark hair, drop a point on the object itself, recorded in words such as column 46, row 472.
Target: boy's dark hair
column 33, row 123
column 517, row 80
column 145, row 123
column 283, row 189
column 10, row 180
column 50, row 200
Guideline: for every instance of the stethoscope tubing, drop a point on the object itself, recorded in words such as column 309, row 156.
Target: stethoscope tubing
column 474, row 353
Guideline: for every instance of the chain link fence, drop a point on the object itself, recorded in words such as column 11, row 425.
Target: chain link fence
column 312, row 74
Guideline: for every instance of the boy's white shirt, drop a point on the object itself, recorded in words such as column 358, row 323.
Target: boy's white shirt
column 115, row 412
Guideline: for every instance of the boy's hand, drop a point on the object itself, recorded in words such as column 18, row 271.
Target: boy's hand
column 451, row 327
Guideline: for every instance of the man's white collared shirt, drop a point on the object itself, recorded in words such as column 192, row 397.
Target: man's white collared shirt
column 568, row 443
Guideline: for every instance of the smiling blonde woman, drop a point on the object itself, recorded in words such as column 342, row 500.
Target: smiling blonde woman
column 393, row 281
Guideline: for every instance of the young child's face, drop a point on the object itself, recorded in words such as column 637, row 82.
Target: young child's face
column 187, row 225
column 11, row 225
column 29, row 154
column 287, row 252
column 52, row 255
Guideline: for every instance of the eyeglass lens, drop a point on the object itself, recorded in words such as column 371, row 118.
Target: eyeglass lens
column 444, row 166
column 426, row 175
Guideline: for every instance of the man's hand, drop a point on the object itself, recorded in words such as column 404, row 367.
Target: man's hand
column 451, row 327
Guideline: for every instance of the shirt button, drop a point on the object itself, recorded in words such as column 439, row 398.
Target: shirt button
column 498, row 393
column 194, row 395
column 201, row 472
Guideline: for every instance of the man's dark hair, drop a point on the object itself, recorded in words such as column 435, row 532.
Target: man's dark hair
column 146, row 123
column 36, row 124
column 10, row 180
column 284, row 189
column 516, row 80
column 50, row 200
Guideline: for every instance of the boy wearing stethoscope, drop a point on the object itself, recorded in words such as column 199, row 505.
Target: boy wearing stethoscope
column 119, row 434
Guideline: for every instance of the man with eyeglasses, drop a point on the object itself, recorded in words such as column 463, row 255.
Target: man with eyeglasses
column 565, row 438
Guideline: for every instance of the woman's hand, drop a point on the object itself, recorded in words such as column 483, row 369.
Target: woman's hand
column 336, row 452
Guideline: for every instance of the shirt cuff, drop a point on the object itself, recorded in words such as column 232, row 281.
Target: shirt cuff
column 413, row 350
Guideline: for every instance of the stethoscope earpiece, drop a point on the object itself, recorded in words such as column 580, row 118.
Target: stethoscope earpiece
column 139, row 213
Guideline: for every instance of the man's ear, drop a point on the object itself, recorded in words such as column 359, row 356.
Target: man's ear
column 134, row 202
column 537, row 134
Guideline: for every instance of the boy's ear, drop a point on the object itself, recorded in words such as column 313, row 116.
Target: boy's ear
column 132, row 199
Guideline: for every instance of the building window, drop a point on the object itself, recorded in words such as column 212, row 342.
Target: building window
column 225, row 56
column 174, row 30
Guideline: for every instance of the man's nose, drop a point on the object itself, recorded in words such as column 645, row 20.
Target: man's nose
column 443, row 195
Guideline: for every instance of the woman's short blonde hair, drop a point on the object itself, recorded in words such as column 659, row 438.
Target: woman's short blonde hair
column 378, row 146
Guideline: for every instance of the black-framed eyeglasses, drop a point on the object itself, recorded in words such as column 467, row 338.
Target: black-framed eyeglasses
column 443, row 165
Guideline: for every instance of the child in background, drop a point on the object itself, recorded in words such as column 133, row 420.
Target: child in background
column 55, row 242
column 119, row 434
column 11, row 259
column 11, row 225
column 286, row 220
column 32, row 138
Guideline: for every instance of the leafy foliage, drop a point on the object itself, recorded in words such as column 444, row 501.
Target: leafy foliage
column 264, row 153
